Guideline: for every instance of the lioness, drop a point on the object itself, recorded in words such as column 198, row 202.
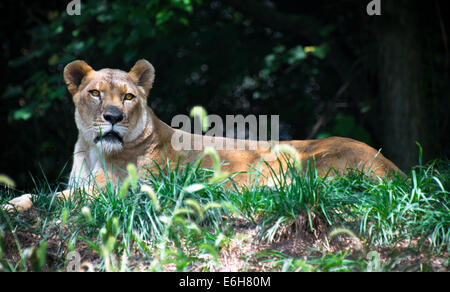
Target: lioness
column 116, row 127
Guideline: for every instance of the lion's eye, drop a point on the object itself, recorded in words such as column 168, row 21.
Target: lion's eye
column 94, row 93
column 129, row 96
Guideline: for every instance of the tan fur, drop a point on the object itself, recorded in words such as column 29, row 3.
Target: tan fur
column 147, row 140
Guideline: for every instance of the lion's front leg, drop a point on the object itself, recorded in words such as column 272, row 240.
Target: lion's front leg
column 25, row 202
column 81, row 168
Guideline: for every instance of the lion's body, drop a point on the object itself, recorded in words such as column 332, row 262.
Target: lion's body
column 116, row 127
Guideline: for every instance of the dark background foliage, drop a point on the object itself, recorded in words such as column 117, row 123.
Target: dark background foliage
column 324, row 66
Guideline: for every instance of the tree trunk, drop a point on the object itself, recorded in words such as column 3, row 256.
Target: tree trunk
column 401, row 83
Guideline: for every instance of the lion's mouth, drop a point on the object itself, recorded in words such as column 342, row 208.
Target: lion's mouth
column 110, row 137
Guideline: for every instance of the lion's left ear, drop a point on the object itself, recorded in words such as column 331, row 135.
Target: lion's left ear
column 143, row 74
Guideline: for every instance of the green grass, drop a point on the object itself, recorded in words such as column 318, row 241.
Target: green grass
column 185, row 219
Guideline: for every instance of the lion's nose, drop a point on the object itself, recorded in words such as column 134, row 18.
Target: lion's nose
column 113, row 114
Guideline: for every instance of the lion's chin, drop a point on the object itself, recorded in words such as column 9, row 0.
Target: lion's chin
column 110, row 143
column 107, row 147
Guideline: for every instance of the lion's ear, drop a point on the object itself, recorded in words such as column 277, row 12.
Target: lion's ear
column 143, row 74
column 74, row 73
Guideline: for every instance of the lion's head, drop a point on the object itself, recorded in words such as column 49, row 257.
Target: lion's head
column 110, row 104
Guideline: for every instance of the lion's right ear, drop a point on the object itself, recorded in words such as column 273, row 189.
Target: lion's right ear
column 74, row 73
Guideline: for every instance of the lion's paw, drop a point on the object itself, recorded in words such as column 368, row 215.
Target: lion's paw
column 20, row 204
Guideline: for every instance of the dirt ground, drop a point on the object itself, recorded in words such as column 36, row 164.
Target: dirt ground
column 243, row 252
